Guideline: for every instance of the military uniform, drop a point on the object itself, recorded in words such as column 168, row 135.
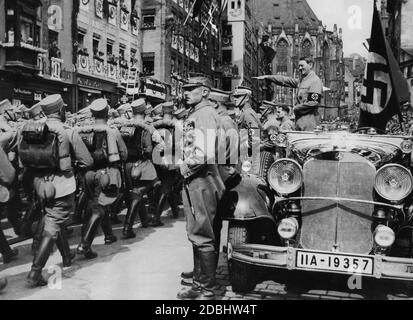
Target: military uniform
column 203, row 189
column 308, row 98
column 168, row 175
column 58, row 208
column 7, row 177
column 248, row 117
column 229, row 145
column 142, row 140
column 104, row 180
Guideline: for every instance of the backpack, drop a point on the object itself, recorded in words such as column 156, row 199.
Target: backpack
column 97, row 144
column 138, row 141
column 39, row 147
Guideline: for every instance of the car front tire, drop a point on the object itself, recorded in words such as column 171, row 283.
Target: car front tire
column 241, row 275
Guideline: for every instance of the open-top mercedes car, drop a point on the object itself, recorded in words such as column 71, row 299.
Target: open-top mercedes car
column 338, row 202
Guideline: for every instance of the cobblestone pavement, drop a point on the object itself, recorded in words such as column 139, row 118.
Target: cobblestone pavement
column 149, row 266
column 286, row 285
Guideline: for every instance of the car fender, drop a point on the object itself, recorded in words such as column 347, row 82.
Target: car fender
column 249, row 200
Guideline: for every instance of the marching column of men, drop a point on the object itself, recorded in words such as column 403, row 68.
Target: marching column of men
column 124, row 156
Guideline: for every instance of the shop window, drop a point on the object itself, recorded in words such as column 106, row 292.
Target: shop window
column 227, row 57
column 133, row 57
column 122, row 57
column 81, row 43
column 148, row 63
column 148, row 19
column 54, row 51
column 95, row 46
column 27, row 31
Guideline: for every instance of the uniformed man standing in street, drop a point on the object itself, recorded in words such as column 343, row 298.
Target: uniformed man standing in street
column 104, row 180
column 308, row 97
column 203, row 186
column 248, row 118
column 142, row 140
column 56, row 184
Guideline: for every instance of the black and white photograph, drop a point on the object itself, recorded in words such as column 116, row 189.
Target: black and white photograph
column 226, row 152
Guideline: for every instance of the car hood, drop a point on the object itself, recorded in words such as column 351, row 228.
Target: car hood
column 379, row 150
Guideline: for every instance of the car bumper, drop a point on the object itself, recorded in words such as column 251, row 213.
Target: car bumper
column 285, row 258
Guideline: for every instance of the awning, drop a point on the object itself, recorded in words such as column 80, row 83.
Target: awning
column 88, row 90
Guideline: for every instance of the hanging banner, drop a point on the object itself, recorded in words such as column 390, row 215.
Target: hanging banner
column 113, row 13
column 187, row 49
column 181, row 44
column 99, row 8
column 124, row 20
column 135, row 26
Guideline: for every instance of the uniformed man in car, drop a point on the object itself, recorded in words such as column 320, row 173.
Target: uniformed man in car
column 309, row 94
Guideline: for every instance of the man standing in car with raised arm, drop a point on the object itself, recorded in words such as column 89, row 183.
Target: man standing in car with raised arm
column 308, row 97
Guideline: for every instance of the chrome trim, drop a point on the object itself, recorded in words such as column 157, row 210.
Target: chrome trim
column 284, row 257
column 338, row 199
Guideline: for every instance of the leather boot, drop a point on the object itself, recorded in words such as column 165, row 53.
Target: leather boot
column 14, row 218
column 35, row 278
column 193, row 289
column 81, row 204
column 28, row 220
column 3, row 283
column 8, row 253
column 85, row 245
column 64, row 248
column 155, row 221
column 143, row 214
column 173, row 203
column 189, row 277
column 37, row 237
column 208, row 270
column 107, row 228
column 130, row 219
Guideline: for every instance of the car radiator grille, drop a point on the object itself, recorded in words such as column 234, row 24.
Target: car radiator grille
column 344, row 226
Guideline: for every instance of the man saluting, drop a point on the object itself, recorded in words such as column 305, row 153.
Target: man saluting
column 308, row 97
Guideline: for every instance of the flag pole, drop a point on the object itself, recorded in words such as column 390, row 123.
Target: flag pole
column 190, row 12
column 209, row 20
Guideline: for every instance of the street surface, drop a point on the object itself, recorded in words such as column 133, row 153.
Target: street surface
column 149, row 266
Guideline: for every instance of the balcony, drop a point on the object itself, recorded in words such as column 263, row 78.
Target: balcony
column 22, row 56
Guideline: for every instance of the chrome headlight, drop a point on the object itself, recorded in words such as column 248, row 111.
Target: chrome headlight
column 384, row 236
column 394, row 182
column 287, row 229
column 406, row 146
column 285, row 176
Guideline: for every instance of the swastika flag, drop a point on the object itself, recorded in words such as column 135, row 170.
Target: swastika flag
column 384, row 87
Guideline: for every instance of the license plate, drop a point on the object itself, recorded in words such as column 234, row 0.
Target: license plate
column 334, row 262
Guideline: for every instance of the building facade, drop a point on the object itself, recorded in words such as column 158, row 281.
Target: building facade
column 354, row 74
column 106, row 45
column 293, row 30
column 243, row 54
column 172, row 48
column 35, row 56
